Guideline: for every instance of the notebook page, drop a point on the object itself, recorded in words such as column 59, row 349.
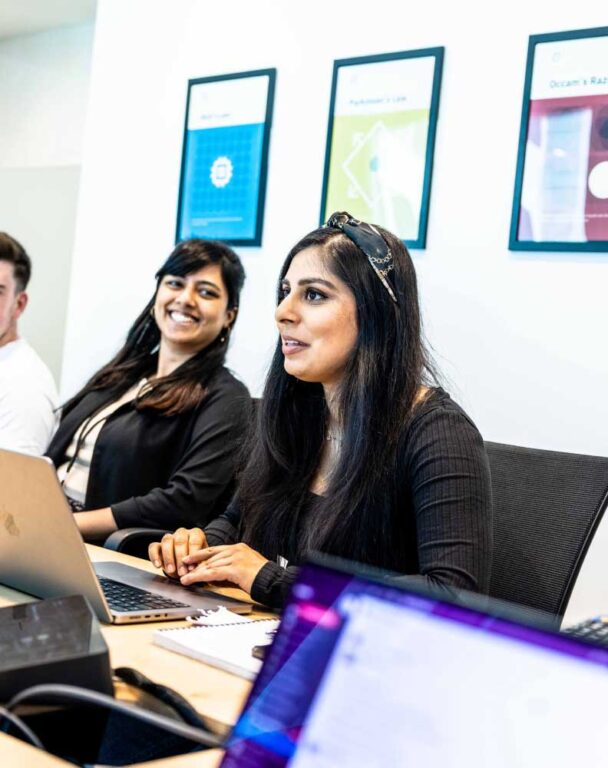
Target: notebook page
column 227, row 646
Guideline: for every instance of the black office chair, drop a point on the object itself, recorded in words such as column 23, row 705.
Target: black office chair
column 547, row 506
column 135, row 541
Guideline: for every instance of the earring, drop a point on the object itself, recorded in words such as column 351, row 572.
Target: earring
column 147, row 327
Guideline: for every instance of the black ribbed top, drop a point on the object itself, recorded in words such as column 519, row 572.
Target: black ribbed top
column 443, row 515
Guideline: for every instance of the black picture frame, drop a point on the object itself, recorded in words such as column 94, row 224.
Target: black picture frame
column 520, row 215
column 340, row 66
column 259, row 198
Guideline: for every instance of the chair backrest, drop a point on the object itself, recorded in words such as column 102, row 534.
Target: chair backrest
column 547, row 506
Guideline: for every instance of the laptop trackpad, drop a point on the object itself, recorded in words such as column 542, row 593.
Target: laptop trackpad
column 197, row 597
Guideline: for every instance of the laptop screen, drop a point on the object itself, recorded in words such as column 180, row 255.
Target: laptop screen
column 364, row 674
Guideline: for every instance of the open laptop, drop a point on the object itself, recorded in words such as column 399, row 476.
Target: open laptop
column 42, row 553
column 362, row 673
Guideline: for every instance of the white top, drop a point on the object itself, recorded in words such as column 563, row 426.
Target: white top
column 28, row 400
column 74, row 473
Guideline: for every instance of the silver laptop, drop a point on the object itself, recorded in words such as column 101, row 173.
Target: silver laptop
column 42, row 553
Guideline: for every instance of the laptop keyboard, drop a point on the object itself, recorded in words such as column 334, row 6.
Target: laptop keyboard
column 595, row 630
column 123, row 598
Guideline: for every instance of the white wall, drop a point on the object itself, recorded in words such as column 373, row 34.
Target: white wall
column 38, row 207
column 521, row 337
column 43, row 96
column 44, row 80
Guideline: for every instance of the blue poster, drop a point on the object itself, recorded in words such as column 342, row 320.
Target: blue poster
column 221, row 182
column 224, row 158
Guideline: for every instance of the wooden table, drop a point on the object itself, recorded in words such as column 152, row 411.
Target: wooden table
column 211, row 691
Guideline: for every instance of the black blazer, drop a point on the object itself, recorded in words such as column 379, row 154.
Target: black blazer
column 161, row 471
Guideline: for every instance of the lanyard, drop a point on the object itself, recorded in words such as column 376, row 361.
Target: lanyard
column 85, row 430
column 89, row 424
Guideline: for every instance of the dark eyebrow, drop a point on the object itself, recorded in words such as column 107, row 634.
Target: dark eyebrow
column 311, row 281
column 208, row 282
column 198, row 282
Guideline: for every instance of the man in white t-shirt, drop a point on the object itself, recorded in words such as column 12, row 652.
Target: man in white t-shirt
column 28, row 397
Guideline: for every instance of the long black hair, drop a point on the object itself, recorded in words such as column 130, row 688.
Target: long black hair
column 186, row 386
column 377, row 396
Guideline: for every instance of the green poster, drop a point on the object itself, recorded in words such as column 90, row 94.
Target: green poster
column 379, row 154
column 377, row 168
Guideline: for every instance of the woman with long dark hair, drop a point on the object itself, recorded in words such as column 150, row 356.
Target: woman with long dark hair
column 151, row 439
column 358, row 453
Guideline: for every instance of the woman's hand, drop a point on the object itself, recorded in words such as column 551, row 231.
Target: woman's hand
column 170, row 552
column 236, row 563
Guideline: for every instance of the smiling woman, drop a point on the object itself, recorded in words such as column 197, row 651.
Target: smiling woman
column 358, row 452
column 191, row 311
column 151, row 439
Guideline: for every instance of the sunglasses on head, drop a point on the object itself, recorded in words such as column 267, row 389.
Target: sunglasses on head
column 368, row 240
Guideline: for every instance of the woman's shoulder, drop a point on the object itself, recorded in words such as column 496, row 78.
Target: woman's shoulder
column 228, row 393
column 437, row 412
column 226, row 381
column 441, row 434
column 82, row 406
column 437, row 399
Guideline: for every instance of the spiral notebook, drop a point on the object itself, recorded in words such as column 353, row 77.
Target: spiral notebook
column 226, row 646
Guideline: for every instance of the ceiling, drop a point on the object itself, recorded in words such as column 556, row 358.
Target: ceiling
column 25, row 17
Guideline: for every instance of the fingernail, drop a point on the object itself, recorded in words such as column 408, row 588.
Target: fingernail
column 182, row 571
column 170, row 568
column 157, row 563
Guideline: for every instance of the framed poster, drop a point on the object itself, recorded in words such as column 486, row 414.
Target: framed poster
column 225, row 157
column 380, row 140
column 560, row 202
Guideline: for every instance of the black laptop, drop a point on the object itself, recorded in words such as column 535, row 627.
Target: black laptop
column 364, row 674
